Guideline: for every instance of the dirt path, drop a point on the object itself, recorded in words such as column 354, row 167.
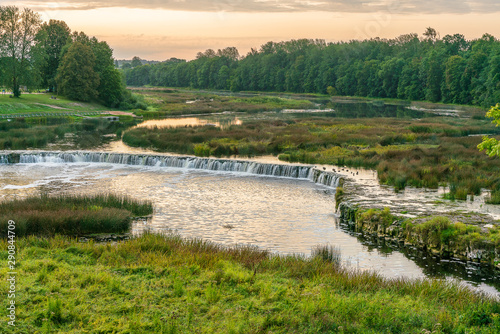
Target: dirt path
column 120, row 113
column 52, row 106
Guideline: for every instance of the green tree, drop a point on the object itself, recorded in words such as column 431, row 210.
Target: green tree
column 223, row 77
column 433, row 65
column 18, row 29
column 136, row 61
column 491, row 145
column 50, row 40
column 110, row 90
column 389, row 72
column 453, row 85
column 76, row 77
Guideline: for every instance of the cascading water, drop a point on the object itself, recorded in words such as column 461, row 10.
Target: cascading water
column 224, row 165
column 277, row 213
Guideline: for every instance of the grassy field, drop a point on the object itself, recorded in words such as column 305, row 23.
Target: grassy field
column 42, row 103
column 166, row 284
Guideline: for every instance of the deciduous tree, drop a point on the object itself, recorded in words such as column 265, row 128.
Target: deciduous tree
column 50, row 40
column 491, row 145
column 76, row 77
column 18, row 29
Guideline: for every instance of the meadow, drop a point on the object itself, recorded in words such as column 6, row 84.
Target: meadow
column 43, row 103
column 167, row 284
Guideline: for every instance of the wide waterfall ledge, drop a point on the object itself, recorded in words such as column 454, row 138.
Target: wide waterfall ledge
column 307, row 172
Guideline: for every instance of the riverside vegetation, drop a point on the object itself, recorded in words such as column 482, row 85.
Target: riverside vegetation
column 450, row 69
column 35, row 121
column 167, row 284
column 40, row 131
column 445, row 236
column 428, row 151
column 170, row 102
column 71, row 215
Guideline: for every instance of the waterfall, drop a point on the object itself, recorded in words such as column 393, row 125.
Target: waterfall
column 4, row 159
column 223, row 165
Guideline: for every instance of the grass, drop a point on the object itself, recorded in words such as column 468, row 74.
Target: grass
column 167, row 284
column 41, row 120
column 446, row 236
column 71, row 215
column 165, row 102
column 40, row 103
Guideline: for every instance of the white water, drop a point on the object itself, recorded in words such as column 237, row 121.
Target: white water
column 184, row 162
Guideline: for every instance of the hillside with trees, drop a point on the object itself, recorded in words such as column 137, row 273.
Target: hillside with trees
column 451, row 69
column 47, row 55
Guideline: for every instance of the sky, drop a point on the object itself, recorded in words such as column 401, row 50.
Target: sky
column 162, row 29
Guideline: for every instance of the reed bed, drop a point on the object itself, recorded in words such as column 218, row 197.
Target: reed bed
column 71, row 214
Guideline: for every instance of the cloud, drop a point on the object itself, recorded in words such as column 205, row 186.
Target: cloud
column 255, row 6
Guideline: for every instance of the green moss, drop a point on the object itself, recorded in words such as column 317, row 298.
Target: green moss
column 374, row 218
column 440, row 233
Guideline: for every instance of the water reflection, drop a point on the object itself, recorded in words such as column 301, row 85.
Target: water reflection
column 221, row 122
column 283, row 215
column 481, row 277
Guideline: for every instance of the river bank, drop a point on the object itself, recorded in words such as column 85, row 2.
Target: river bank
column 164, row 283
column 464, row 236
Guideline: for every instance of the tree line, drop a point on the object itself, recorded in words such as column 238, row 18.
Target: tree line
column 451, row 69
column 36, row 54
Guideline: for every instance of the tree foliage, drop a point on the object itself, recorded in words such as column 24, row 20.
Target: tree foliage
column 47, row 55
column 18, row 29
column 50, row 41
column 76, row 77
column 492, row 145
column 449, row 69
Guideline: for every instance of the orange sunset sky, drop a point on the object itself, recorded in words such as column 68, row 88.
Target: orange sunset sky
column 161, row 29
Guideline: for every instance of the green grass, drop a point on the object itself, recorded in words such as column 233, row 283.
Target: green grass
column 167, row 284
column 39, row 103
column 440, row 233
column 164, row 102
column 71, row 215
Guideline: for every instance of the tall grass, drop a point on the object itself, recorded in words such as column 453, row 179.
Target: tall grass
column 71, row 214
column 328, row 253
column 173, row 102
column 168, row 284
